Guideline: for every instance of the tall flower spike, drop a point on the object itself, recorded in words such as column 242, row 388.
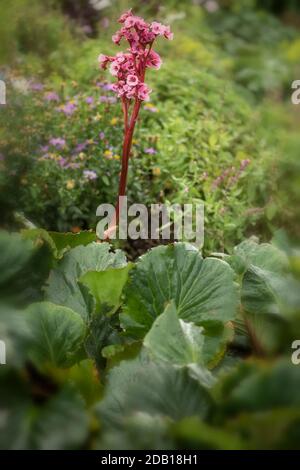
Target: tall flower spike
column 129, row 69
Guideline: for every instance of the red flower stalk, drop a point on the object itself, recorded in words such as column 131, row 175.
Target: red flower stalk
column 129, row 68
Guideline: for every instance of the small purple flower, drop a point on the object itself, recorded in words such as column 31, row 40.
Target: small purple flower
column 150, row 151
column 80, row 147
column 108, row 86
column 103, row 99
column 36, row 86
column 90, row 175
column 244, row 164
column 69, row 108
column 44, row 148
column 89, row 100
column 87, row 29
column 51, row 96
column 62, row 162
column 151, row 109
column 105, row 22
column 102, row 135
column 57, row 142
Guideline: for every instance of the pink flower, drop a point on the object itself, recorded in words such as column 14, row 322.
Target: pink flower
column 144, row 92
column 140, row 23
column 125, row 16
column 116, row 38
column 154, row 60
column 129, row 68
column 51, row 96
column 130, row 22
column 103, row 61
column 114, row 68
column 120, row 57
column 167, row 34
column 132, row 80
column 157, row 28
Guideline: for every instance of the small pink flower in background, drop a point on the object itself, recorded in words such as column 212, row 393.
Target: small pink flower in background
column 51, row 96
column 36, row 86
column 57, row 142
column 69, row 108
column 150, row 151
column 90, row 175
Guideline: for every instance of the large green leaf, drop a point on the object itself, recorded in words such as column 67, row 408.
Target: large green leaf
column 58, row 242
column 269, row 295
column 258, row 386
column 203, row 289
column 57, row 334
column 268, row 292
column 139, row 431
column 267, row 286
column 59, row 423
column 62, row 423
column 264, row 256
column 64, row 287
column 15, row 254
column 156, row 388
column 23, row 269
column 193, row 433
column 66, row 241
column 16, row 334
column 106, row 286
column 273, row 429
column 174, row 340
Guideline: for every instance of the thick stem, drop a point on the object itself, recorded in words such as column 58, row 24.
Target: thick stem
column 128, row 135
column 125, row 156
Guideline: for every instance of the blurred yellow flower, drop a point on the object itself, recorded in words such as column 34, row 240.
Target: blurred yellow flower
column 97, row 117
column 117, row 157
column 108, row 154
column 114, row 121
column 81, row 155
column 156, row 171
column 70, row 184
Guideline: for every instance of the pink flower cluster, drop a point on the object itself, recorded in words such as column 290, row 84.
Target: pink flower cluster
column 130, row 67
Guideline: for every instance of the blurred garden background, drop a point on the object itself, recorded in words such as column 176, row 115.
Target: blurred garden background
column 93, row 360
column 220, row 126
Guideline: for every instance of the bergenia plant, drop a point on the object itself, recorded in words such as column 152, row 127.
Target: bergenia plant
column 129, row 68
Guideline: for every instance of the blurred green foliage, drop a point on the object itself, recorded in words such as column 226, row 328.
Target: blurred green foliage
column 81, row 376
